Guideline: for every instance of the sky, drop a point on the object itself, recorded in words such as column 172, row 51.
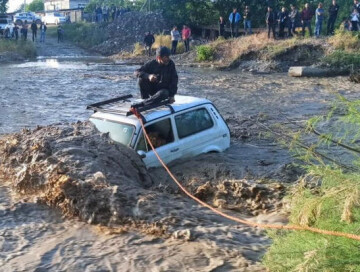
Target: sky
column 15, row 4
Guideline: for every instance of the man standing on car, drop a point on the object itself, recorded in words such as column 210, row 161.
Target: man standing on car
column 33, row 30
column 333, row 12
column 157, row 79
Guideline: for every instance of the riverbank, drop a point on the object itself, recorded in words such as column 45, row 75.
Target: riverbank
column 11, row 50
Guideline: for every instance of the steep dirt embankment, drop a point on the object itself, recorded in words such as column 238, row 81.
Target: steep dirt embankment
column 129, row 29
column 84, row 174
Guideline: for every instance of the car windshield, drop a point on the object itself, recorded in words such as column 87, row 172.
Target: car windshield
column 119, row 132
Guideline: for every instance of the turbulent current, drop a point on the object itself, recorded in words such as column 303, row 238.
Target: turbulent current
column 72, row 200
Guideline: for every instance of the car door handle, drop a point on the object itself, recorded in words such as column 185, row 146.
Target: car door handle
column 174, row 150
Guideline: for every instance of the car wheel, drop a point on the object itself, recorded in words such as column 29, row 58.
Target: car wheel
column 19, row 22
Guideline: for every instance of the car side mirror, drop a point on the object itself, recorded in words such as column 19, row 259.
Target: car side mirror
column 142, row 154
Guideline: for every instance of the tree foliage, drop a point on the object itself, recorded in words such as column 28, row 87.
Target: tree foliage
column 36, row 5
column 207, row 12
column 3, row 6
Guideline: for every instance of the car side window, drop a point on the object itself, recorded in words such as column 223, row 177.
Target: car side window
column 192, row 122
column 160, row 133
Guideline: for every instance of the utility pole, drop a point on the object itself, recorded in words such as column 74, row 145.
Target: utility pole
column 24, row 5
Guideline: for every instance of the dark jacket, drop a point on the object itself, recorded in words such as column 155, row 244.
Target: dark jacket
column 306, row 14
column 283, row 18
column 149, row 39
column 34, row 26
column 270, row 17
column 333, row 10
column 166, row 74
column 294, row 16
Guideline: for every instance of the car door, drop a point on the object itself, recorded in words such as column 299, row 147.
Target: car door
column 198, row 131
column 162, row 137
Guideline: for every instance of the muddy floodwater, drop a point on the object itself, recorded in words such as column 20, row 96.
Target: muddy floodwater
column 56, row 88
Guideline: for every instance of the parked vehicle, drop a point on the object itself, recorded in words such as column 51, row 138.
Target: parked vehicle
column 6, row 23
column 186, row 128
column 29, row 17
column 54, row 18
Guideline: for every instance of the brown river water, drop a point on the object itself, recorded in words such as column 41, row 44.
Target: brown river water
column 56, row 88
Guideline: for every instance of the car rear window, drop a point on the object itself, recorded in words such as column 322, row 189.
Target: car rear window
column 192, row 122
column 119, row 132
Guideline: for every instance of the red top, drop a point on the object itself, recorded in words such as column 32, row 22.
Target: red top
column 186, row 33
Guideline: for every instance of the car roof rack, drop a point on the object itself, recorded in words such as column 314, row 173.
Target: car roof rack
column 125, row 98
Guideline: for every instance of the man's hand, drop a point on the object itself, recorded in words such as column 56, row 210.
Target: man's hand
column 171, row 100
column 152, row 78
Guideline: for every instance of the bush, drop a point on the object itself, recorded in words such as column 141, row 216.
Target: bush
column 204, row 53
column 343, row 59
column 83, row 34
column 328, row 197
column 138, row 49
column 24, row 48
column 346, row 40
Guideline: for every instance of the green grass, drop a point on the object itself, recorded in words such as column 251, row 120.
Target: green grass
column 341, row 58
column 24, row 48
column 83, row 34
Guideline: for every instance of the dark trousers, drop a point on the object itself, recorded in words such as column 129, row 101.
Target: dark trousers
column 34, row 35
column 331, row 25
column 306, row 23
column 281, row 30
column 271, row 27
column 187, row 45
column 234, row 30
column 173, row 47
column 151, row 93
column 354, row 25
column 148, row 49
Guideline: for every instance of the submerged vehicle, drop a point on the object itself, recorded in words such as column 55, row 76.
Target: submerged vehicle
column 186, row 128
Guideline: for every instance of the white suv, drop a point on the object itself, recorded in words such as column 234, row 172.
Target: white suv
column 54, row 18
column 29, row 17
column 186, row 128
column 4, row 24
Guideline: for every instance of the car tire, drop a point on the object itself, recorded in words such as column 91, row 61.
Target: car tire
column 19, row 22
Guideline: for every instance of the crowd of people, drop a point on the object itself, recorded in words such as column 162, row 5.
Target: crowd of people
column 287, row 21
column 105, row 13
column 176, row 37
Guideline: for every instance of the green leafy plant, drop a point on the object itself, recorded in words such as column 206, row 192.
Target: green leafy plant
column 204, row 53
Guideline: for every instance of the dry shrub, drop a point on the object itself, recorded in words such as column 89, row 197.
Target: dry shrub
column 345, row 40
column 165, row 40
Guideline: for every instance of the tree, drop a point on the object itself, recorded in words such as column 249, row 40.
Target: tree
column 36, row 5
column 3, row 6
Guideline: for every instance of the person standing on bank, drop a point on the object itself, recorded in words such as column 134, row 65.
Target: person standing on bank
column 306, row 16
column 319, row 19
column 42, row 32
column 157, row 79
column 234, row 19
column 333, row 12
column 148, row 41
column 294, row 19
column 221, row 27
column 33, row 30
column 271, row 22
column 16, row 31
column 186, row 33
column 175, row 37
column 247, row 20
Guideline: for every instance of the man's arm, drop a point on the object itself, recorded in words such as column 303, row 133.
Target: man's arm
column 144, row 71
